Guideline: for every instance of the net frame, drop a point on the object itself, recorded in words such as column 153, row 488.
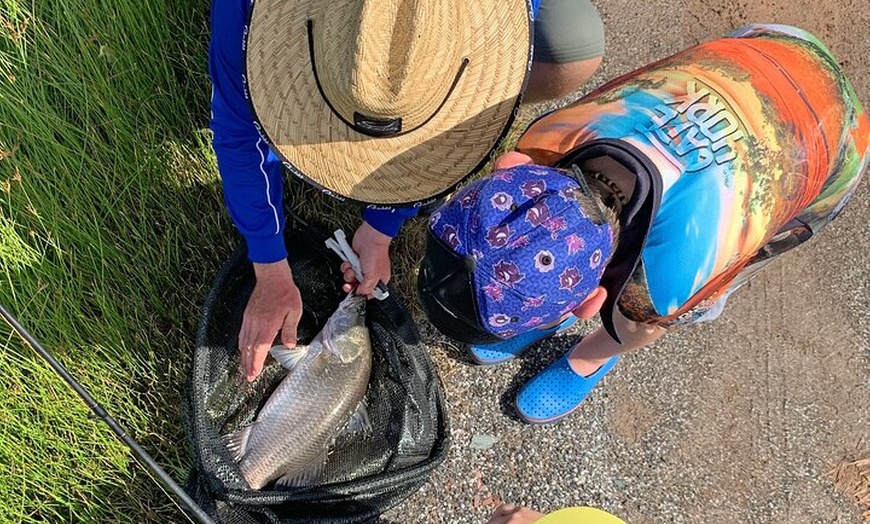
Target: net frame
column 364, row 478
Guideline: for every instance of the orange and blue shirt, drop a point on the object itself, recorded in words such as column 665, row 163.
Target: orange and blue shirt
column 744, row 146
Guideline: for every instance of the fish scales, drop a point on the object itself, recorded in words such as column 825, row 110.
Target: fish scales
column 313, row 402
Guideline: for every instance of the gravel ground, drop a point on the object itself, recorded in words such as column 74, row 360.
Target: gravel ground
column 734, row 421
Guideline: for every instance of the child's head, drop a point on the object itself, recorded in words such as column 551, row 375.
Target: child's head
column 513, row 251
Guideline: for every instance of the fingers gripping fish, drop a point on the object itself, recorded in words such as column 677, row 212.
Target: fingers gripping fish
column 322, row 391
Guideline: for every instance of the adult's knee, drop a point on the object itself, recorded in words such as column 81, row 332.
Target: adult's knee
column 550, row 81
column 569, row 45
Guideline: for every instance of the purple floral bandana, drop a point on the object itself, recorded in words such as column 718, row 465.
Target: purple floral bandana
column 538, row 256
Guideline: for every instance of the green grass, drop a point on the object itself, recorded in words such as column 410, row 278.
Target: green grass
column 111, row 228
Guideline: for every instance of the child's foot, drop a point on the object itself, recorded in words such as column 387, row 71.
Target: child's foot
column 491, row 354
column 557, row 391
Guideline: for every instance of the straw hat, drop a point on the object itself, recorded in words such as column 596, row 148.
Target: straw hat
column 389, row 101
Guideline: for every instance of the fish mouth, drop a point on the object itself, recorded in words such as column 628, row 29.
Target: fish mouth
column 345, row 332
column 355, row 303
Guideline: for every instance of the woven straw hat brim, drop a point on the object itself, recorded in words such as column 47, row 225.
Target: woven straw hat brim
column 409, row 168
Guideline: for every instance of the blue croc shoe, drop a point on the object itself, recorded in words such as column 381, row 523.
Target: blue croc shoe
column 557, row 391
column 491, row 354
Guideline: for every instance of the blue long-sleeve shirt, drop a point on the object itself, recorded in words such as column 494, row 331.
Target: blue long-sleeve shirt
column 250, row 172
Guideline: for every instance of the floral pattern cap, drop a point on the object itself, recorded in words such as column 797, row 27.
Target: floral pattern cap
column 537, row 254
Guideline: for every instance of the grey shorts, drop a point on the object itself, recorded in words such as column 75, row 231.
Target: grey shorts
column 568, row 31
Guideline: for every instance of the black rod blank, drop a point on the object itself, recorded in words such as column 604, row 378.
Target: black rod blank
column 150, row 464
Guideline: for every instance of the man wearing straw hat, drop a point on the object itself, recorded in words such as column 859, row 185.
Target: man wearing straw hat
column 385, row 104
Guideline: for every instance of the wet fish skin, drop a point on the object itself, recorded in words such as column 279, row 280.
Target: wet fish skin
column 313, row 402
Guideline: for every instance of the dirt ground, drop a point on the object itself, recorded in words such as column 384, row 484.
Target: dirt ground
column 735, row 421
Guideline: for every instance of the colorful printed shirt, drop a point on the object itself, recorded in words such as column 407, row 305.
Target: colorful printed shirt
column 749, row 145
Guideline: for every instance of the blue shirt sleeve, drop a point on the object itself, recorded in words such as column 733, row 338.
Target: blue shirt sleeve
column 388, row 221
column 250, row 173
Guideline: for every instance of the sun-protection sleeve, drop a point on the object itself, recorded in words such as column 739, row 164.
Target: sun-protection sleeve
column 250, row 172
column 388, row 221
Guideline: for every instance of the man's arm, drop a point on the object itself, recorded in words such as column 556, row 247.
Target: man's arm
column 250, row 172
column 372, row 243
column 252, row 183
column 388, row 221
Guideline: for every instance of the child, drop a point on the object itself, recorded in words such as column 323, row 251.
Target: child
column 665, row 191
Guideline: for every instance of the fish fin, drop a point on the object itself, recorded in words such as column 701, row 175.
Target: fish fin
column 288, row 357
column 359, row 422
column 237, row 442
column 309, row 477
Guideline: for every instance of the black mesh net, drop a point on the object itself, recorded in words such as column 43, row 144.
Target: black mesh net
column 364, row 476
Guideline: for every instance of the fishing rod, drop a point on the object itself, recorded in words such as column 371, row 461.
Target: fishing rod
column 150, row 464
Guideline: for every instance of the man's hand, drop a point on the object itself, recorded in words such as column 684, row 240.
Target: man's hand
column 510, row 514
column 373, row 248
column 275, row 305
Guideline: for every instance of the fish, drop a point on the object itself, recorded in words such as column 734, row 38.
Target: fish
column 320, row 397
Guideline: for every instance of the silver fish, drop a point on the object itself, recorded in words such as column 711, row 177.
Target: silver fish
column 317, row 399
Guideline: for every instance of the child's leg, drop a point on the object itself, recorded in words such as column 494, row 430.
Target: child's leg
column 595, row 349
column 560, row 388
column 490, row 354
